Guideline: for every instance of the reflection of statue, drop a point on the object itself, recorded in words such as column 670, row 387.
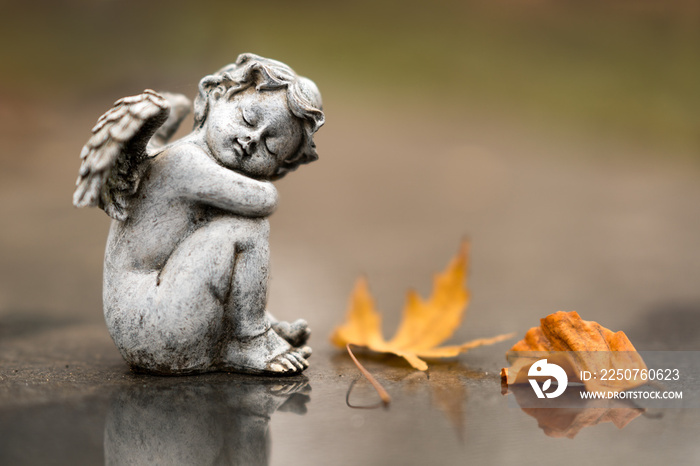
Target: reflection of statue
column 579, row 413
column 186, row 265
column 190, row 422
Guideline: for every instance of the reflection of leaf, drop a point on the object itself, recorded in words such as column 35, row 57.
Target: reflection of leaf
column 449, row 394
column 568, row 422
column 447, row 384
column 425, row 324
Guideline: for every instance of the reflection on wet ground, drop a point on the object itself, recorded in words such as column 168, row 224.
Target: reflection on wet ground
column 568, row 422
column 193, row 422
column 445, row 382
column 210, row 419
column 454, row 414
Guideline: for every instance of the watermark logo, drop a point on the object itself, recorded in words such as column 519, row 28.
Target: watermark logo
column 543, row 369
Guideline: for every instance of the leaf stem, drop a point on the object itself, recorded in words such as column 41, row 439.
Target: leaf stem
column 386, row 399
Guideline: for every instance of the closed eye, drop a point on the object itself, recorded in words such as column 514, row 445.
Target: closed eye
column 245, row 120
column 267, row 146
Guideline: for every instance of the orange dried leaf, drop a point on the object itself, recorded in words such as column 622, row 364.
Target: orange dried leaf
column 596, row 347
column 363, row 326
column 566, row 331
column 425, row 324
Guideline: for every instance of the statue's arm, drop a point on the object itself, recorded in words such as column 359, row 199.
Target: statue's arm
column 196, row 176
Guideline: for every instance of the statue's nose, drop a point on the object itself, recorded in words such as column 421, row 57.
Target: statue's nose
column 248, row 143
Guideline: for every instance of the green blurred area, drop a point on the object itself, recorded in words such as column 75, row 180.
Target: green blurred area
column 612, row 68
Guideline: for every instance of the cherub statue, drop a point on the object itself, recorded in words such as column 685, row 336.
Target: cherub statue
column 187, row 258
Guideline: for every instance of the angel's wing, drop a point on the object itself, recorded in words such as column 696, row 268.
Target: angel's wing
column 109, row 170
column 180, row 107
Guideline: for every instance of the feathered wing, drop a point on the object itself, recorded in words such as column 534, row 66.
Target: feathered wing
column 110, row 160
column 180, row 107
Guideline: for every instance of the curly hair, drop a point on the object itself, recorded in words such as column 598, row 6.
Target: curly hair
column 303, row 98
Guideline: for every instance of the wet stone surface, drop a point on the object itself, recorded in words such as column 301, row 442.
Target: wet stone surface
column 96, row 410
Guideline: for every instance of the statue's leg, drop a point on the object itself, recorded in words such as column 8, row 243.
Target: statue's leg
column 254, row 346
column 205, row 309
column 249, row 286
column 246, row 291
column 180, row 316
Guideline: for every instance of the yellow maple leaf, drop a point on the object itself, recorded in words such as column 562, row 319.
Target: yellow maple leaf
column 425, row 324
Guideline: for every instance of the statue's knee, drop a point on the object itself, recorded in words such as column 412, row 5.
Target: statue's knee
column 242, row 227
column 252, row 230
column 261, row 227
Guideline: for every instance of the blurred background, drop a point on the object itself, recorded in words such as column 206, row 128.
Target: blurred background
column 562, row 138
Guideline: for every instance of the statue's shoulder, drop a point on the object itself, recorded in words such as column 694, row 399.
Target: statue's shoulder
column 179, row 154
column 179, row 168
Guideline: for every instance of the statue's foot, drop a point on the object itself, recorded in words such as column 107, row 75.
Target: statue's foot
column 267, row 353
column 296, row 333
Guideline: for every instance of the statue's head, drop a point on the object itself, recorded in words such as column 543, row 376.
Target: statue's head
column 259, row 116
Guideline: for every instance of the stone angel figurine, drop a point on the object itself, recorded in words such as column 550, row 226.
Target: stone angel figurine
column 187, row 258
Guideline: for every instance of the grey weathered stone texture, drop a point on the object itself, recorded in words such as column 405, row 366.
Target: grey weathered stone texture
column 187, row 259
